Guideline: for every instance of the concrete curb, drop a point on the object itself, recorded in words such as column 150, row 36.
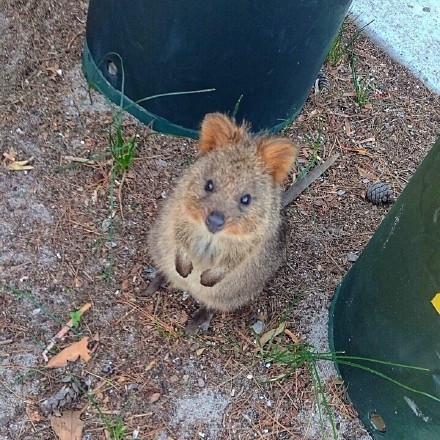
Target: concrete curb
column 408, row 31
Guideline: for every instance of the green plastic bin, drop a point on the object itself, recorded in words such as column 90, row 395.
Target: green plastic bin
column 383, row 310
column 261, row 57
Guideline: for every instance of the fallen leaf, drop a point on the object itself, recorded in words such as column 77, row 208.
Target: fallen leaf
column 64, row 330
column 366, row 174
column 150, row 366
column 367, row 140
column 182, row 317
column 33, row 416
column 10, row 155
column 78, row 159
column 200, row 351
column 153, row 397
column 268, row 336
column 306, row 152
column 377, row 422
column 125, row 285
column 54, row 71
column 348, row 128
column 20, row 165
column 361, row 151
column 71, row 353
column 293, row 337
column 293, row 411
column 337, row 382
column 69, row 426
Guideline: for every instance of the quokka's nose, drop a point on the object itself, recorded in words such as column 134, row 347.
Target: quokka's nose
column 215, row 221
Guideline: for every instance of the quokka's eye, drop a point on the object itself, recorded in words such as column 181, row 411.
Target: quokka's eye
column 246, row 199
column 209, row 185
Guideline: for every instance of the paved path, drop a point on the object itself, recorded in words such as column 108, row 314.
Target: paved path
column 408, row 30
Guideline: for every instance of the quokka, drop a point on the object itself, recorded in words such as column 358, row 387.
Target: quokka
column 221, row 235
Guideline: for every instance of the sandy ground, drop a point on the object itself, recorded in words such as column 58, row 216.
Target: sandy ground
column 57, row 253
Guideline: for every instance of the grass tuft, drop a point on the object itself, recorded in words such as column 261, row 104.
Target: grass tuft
column 294, row 356
column 339, row 46
column 361, row 86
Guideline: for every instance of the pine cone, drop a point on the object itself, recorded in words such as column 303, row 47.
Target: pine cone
column 67, row 395
column 378, row 193
column 322, row 83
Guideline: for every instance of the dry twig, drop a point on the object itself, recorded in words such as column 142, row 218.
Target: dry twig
column 63, row 331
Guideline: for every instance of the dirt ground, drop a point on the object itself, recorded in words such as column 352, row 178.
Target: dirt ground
column 145, row 377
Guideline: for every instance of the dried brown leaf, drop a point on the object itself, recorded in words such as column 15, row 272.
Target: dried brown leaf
column 69, row 426
column 20, row 165
column 33, row 415
column 293, row 337
column 10, row 155
column 272, row 333
column 361, row 151
column 366, row 174
column 152, row 398
column 71, row 353
column 125, row 285
column 151, row 365
column 182, row 317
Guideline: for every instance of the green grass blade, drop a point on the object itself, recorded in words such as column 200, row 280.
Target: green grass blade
column 390, row 379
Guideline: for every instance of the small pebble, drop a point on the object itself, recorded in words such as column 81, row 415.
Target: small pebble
column 340, row 192
column 257, row 327
column 133, row 387
column 200, row 382
column 194, row 346
column 105, row 225
column 107, row 368
column 174, row 379
column 151, row 273
column 352, row 257
column 161, row 163
column 249, row 376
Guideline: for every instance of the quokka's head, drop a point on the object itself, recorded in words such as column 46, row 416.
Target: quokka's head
column 234, row 187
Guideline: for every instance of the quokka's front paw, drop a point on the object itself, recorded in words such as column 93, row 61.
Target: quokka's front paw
column 184, row 265
column 210, row 277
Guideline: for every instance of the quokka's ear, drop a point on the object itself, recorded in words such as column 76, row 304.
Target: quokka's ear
column 278, row 155
column 218, row 130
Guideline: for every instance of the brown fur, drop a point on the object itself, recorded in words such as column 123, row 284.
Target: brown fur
column 226, row 269
column 218, row 131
